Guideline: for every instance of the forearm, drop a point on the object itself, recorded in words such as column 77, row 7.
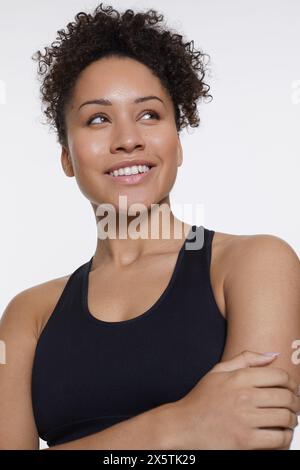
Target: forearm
column 153, row 429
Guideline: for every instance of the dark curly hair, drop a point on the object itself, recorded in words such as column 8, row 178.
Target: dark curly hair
column 138, row 35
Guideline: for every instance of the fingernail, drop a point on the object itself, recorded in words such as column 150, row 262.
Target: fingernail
column 271, row 354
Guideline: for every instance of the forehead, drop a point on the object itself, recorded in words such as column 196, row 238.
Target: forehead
column 117, row 79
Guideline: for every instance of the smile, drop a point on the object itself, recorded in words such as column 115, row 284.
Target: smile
column 132, row 178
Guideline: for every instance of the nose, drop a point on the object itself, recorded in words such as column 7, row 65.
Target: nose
column 127, row 137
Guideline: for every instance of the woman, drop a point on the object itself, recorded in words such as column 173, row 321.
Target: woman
column 149, row 333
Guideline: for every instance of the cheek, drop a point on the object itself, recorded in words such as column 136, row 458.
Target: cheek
column 165, row 145
column 87, row 153
column 170, row 157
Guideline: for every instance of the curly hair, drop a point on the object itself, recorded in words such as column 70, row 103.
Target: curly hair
column 108, row 33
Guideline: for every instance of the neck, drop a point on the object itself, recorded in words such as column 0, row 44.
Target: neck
column 123, row 240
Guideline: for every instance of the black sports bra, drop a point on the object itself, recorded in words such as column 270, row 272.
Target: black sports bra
column 89, row 374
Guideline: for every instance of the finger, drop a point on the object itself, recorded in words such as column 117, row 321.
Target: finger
column 244, row 359
column 271, row 439
column 270, row 377
column 274, row 417
column 276, row 398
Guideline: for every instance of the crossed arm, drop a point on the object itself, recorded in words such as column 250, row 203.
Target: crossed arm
column 262, row 296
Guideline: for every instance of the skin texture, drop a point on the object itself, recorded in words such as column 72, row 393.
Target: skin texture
column 255, row 279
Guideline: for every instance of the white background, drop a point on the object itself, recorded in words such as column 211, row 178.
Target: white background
column 241, row 164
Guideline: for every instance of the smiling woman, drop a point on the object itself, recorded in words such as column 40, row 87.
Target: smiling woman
column 133, row 130
column 132, row 349
column 119, row 103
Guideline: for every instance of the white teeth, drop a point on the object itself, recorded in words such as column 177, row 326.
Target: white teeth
column 127, row 170
column 130, row 170
column 134, row 170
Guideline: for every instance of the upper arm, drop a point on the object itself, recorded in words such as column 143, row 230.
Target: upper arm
column 18, row 334
column 262, row 297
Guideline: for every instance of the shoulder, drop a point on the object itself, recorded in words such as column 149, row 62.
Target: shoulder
column 236, row 251
column 243, row 262
column 32, row 307
column 259, row 270
column 263, row 254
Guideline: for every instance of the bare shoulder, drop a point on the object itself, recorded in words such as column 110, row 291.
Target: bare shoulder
column 233, row 254
column 232, row 250
column 35, row 304
column 240, row 250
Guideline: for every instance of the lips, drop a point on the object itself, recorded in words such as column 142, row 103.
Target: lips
column 132, row 179
column 129, row 163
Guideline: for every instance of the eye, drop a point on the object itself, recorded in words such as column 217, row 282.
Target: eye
column 94, row 117
column 151, row 113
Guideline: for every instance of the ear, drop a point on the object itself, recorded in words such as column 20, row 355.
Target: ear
column 179, row 152
column 66, row 162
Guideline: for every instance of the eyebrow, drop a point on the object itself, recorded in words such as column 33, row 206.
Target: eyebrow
column 106, row 102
